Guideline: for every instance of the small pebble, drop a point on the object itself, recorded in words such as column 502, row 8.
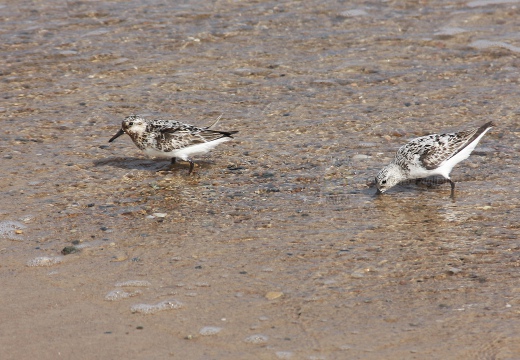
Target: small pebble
column 353, row 13
column 119, row 257
column 271, row 295
column 357, row 274
column 454, row 270
column 360, row 157
column 69, row 250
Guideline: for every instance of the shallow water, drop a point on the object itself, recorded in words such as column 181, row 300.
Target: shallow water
column 277, row 237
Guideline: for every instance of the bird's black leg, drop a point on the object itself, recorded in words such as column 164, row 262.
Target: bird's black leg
column 166, row 168
column 452, row 188
column 192, row 165
column 172, row 163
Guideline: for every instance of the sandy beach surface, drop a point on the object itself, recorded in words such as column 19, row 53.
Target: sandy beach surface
column 276, row 247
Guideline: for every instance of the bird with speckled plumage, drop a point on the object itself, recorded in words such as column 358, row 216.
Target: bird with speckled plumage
column 172, row 139
column 430, row 155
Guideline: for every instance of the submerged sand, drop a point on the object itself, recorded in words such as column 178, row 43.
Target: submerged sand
column 276, row 248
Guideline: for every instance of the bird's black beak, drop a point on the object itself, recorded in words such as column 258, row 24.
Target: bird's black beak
column 378, row 192
column 119, row 133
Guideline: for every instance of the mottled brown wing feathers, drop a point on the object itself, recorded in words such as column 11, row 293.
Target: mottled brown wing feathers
column 170, row 130
column 446, row 146
column 193, row 137
column 443, row 148
column 167, row 134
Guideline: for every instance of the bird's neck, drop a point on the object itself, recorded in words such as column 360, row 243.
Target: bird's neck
column 397, row 170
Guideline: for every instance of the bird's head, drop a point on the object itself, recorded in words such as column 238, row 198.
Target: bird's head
column 132, row 125
column 388, row 177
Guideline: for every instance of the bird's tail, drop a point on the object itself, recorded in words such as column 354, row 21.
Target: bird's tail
column 487, row 125
column 225, row 133
column 228, row 133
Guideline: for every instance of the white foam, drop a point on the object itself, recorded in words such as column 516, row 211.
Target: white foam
column 153, row 308
column 284, row 354
column 490, row 2
column 8, row 229
column 119, row 294
column 484, row 44
column 210, row 330
column 447, row 31
column 256, row 339
column 134, row 283
column 45, row 261
column 354, row 13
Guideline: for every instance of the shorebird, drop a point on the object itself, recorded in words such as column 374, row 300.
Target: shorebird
column 172, row 139
column 429, row 155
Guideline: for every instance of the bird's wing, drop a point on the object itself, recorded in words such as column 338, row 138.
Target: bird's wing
column 183, row 136
column 431, row 151
column 452, row 144
column 445, row 146
column 192, row 134
column 170, row 135
column 210, row 135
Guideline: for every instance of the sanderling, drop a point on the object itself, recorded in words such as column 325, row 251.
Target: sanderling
column 172, row 139
column 430, row 155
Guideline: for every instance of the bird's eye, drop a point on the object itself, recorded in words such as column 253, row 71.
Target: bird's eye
column 383, row 182
column 130, row 123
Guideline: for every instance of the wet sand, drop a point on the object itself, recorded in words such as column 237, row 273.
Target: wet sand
column 276, row 248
